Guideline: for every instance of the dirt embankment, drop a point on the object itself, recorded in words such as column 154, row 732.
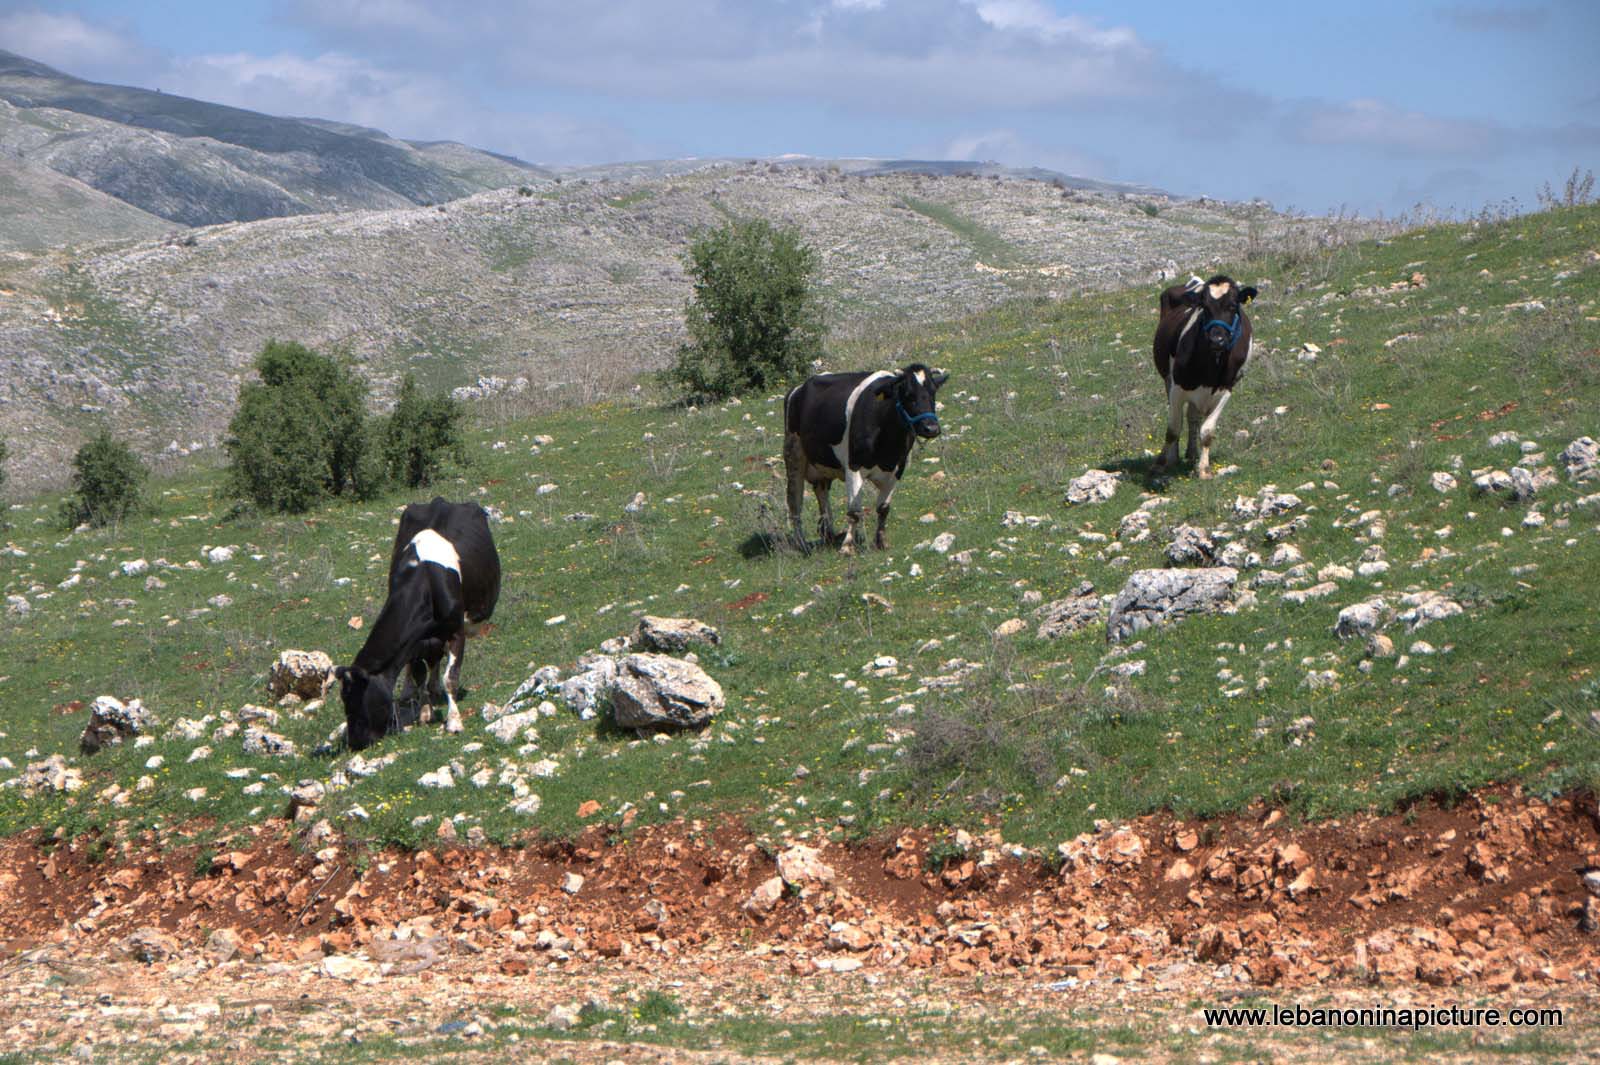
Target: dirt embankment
column 1490, row 892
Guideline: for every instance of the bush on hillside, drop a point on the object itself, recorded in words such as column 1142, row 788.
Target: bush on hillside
column 107, row 483
column 420, row 435
column 754, row 320
column 301, row 433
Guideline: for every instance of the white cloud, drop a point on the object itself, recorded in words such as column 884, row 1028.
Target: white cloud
column 1011, row 148
column 1377, row 124
column 69, row 43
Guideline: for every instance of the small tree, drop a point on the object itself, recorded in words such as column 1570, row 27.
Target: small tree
column 301, row 433
column 422, row 432
column 107, row 482
column 754, row 320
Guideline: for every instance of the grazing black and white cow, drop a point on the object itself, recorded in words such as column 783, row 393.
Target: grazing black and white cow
column 855, row 427
column 444, row 579
column 1201, row 347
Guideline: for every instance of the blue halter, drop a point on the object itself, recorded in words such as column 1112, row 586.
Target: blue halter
column 910, row 419
column 1233, row 329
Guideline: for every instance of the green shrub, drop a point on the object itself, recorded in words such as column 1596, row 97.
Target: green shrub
column 301, row 434
column 420, row 435
column 754, row 320
column 107, row 483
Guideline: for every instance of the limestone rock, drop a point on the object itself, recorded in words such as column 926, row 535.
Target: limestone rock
column 1079, row 610
column 1094, row 486
column 51, row 774
column 1581, row 458
column 659, row 693
column 1190, row 546
column 584, row 691
column 149, row 945
column 258, row 741
column 511, row 727
column 1422, row 608
column 672, row 635
column 305, row 673
column 801, row 864
column 1155, row 597
column 111, row 721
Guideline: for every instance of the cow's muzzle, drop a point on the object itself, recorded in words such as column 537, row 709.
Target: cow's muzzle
column 928, row 429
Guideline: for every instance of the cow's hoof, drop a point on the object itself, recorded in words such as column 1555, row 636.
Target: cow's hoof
column 1205, row 473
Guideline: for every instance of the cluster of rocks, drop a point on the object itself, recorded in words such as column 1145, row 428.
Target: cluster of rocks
column 647, row 690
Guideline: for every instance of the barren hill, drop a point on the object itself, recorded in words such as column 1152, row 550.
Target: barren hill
column 572, row 287
column 199, row 163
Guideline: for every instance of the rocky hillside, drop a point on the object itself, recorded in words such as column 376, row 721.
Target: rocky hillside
column 198, row 163
column 40, row 208
column 558, row 293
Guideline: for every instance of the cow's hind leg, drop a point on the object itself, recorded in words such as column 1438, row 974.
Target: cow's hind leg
column 794, row 468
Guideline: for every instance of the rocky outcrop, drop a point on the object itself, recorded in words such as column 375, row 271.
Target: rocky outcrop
column 1156, row 597
column 1064, row 616
column 1095, row 486
column 1190, row 546
column 111, row 721
column 1581, row 459
column 656, row 693
column 672, row 635
column 302, row 673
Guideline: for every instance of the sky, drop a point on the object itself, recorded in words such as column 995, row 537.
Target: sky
column 1352, row 105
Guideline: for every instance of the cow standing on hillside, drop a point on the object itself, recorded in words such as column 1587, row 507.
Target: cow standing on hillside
column 855, row 427
column 1202, row 344
column 444, row 580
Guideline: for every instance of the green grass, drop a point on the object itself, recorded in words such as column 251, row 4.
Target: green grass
column 987, row 246
column 1060, row 386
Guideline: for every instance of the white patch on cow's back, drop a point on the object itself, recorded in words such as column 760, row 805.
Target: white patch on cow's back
column 841, row 450
column 1219, row 289
column 431, row 547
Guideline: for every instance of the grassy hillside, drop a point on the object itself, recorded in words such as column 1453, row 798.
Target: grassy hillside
column 1430, row 343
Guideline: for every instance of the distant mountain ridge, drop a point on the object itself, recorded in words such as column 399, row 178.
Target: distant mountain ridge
column 198, row 163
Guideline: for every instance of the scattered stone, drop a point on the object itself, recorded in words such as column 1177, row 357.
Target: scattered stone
column 572, row 883
column 438, row 778
column 800, row 865
column 1010, row 627
column 586, row 690
column 149, row 945
column 1442, row 482
column 1423, row 608
column 765, row 897
column 1581, row 458
column 672, row 635
column 943, row 542
column 561, row 1018
column 1380, row 646
column 218, row 555
column 136, row 568
column 1362, row 618
column 222, row 945
column 659, row 693
column 512, row 728
column 111, row 721
column 1190, row 546
column 1094, row 486
column 1079, row 610
column 51, row 774
column 349, row 969
column 258, row 741
column 304, row 673
column 1160, row 596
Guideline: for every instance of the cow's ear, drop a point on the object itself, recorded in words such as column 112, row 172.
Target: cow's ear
column 938, row 379
column 1247, row 294
column 1193, row 297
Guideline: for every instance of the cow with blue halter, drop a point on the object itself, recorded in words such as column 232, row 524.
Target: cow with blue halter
column 855, row 428
column 1202, row 344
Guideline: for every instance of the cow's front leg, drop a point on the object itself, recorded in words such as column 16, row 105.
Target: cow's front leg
column 885, row 490
column 1192, row 453
column 853, row 485
column 1169, row 451
column 1208, row 432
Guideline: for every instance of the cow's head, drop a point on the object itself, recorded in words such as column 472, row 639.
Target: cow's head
column 914, row 392
column 368, row 705
column 1219, row 301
